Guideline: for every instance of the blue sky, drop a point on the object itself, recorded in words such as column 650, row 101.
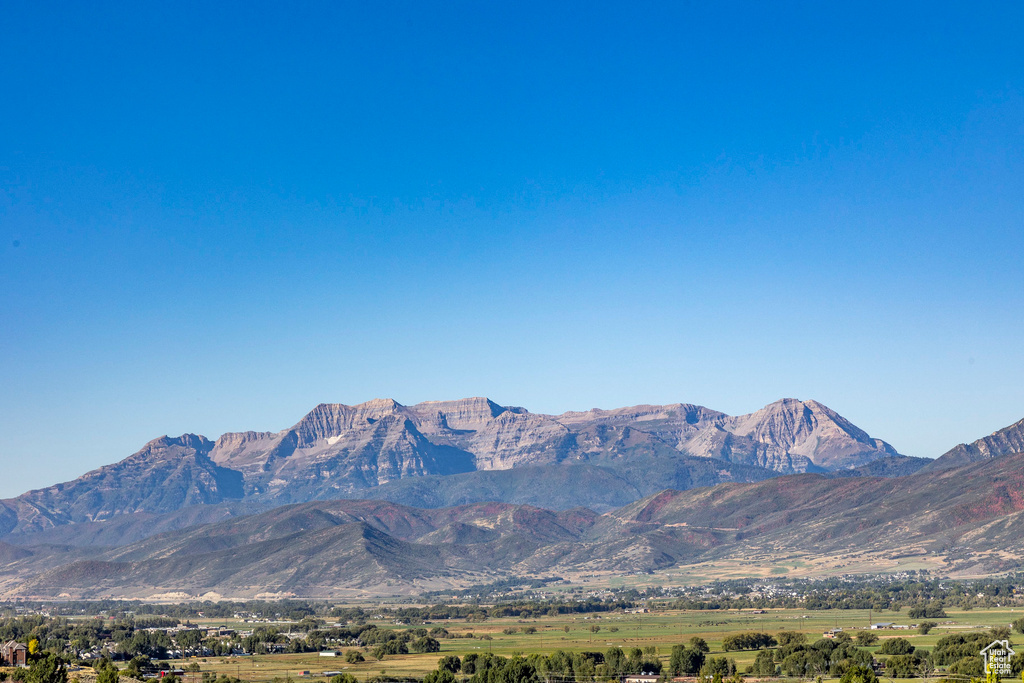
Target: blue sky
column 216, row 215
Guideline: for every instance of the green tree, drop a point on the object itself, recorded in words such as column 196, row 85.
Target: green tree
column 698, row 643
column 968, row 666
column 439, row 675
column 515, row 670
column 354, row 657
column 859, row 673
column 685, row 660
column 717, row 667
column 748, row 641
column 790, row 638
column 108, row 673
column 796, row 664
column 932, row 610
column 425, row 644
column 1018, row 625
column 190, row 639
column 48, row 669
column 451, row 663
column 896, row 646
column 1017, row 664
column 135, row 667
column 865, row 638
column 764, row 663
column 925, row 627
column 902, row 666
column 925, row 666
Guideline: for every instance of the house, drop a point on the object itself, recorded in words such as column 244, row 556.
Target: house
column 881, row 625
column 641, row 678
column 13, row 653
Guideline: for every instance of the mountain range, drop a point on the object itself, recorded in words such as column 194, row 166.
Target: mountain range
column 382, row 498
column 384, row 449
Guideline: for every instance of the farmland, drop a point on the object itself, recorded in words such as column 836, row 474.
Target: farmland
column 659, row 630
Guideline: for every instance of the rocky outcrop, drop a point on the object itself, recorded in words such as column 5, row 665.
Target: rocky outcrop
column 1006, row 441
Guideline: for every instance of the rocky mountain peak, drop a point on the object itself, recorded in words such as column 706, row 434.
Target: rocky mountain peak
column 171, row 446
column 464, row 414
column 333, row 419
column 812, row 430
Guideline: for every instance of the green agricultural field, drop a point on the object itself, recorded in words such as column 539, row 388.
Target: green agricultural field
column 660, row 630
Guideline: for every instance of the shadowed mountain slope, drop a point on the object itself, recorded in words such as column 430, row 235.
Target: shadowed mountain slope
column 965, row 519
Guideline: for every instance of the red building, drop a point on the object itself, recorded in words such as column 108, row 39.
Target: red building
column 13, row 654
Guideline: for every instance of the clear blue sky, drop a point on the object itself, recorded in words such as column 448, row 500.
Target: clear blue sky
column 216, row 215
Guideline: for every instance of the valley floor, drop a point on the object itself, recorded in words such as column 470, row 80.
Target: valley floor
column 660, row 630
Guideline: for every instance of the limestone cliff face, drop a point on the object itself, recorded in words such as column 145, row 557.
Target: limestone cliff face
column 329, row 420
column 337, row 450
column 470, row 414
column 1006, row 441
column 367, row 455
